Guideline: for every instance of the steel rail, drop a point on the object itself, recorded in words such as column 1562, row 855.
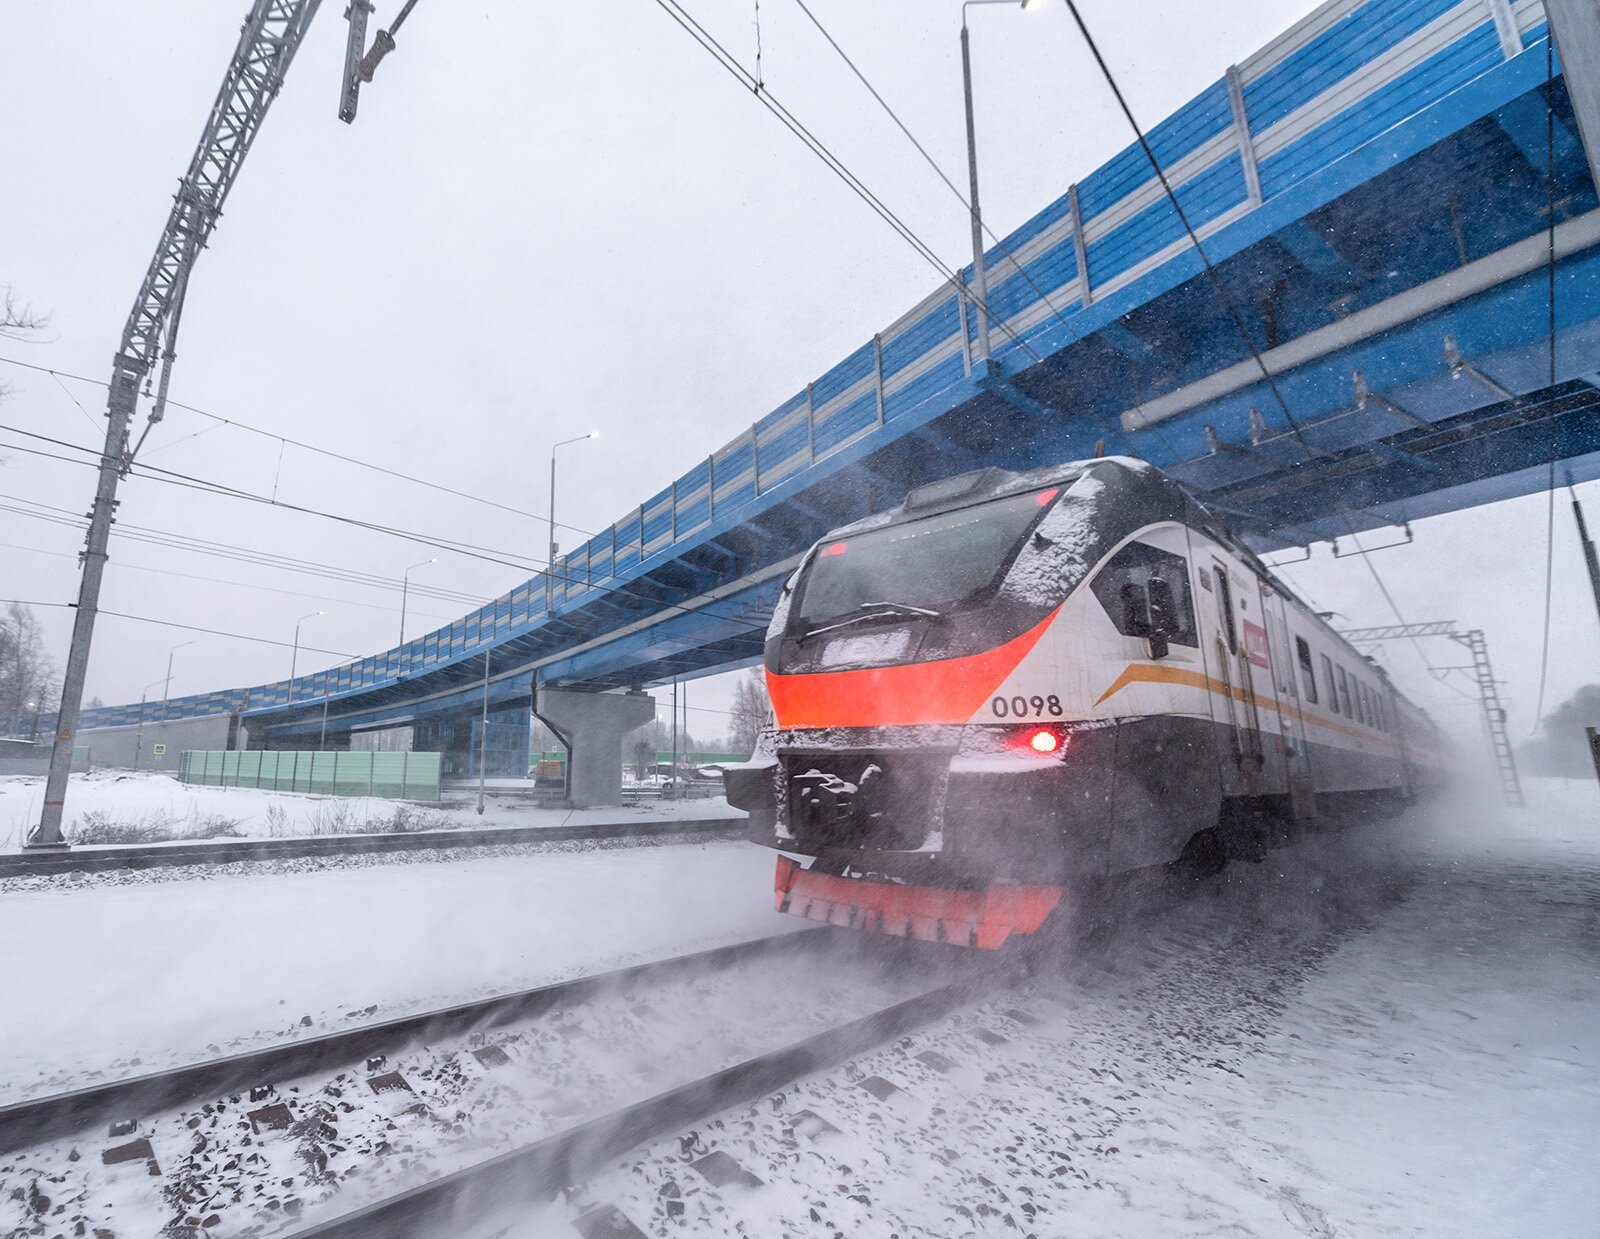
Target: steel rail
column 450, row 1204
column 34, row 1120
column 231, row 851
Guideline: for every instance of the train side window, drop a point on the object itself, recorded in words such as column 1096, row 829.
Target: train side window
column 1327, row 678
column 1362, row 708
column 1307, row 676
column 1344, row 694
column 1145, row 590
column 1225, row 607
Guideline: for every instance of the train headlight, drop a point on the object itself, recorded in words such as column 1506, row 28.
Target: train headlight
column 1044, row 740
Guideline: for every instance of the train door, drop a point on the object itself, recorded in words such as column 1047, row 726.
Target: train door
column 1255, row 676
column 1234, row 701
column 1291, row 721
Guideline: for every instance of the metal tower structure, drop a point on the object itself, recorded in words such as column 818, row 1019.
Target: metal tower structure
column 271, row 35
column 1494, row 714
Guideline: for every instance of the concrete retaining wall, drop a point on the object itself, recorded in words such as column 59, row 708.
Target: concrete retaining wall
column 160, row 745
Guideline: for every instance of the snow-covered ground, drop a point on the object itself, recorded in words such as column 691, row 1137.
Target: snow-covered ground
column 1391, row 1033
column 159, row 805
column 107, row 979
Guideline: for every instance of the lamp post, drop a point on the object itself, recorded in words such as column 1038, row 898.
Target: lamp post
column 33, row 722
column 166, row 689
column 554, row 549
column 980, row 278
column 294, row 658
column 138, row 736
column 405, row 585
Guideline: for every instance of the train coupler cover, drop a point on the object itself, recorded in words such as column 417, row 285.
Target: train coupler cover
column 982, row 919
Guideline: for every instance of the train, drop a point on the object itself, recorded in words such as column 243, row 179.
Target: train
column 1019, row 683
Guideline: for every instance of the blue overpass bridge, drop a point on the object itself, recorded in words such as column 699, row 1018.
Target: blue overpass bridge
column 1386, row 192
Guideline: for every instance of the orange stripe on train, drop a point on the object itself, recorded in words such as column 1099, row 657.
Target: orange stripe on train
column 949, row 690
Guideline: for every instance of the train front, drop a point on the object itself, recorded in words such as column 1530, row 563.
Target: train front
column 929, row 749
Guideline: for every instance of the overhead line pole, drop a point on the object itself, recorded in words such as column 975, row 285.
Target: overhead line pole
column 271, row 35
column 1590, row 560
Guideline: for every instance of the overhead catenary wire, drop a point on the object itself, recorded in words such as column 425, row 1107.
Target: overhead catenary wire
column 211, row 580
column 211, row 632
column 226, row 551
column 238, row 424
column 525, row 564
column 764, row 95
column 822, row 151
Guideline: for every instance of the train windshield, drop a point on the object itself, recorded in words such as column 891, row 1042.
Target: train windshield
column 926, row 567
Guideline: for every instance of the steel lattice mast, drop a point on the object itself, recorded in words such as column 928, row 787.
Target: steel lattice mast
column 1494, row 714
column 271, row 35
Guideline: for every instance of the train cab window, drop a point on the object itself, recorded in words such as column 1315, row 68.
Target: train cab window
column 1327, row 678
column 1345, row 705
column 1308, row 677
column 1225, row 607
column 1145, row 591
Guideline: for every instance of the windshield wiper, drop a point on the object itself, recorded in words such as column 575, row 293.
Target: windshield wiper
column 871, row 611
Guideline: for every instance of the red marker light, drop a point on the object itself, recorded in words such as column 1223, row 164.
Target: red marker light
column 1045, row 496
column 1044, row 741
column 837, row 548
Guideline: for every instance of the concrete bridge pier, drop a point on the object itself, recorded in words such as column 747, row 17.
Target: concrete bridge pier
column 592, row 726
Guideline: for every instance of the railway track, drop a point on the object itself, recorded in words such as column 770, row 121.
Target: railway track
column 537, row 1171
column 231, row 851
column 37, row 1119
column 543, row 1154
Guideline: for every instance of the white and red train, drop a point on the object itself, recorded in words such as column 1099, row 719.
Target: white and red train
column 1015, row 683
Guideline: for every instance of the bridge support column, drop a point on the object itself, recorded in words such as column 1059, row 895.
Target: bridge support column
column 592, row 725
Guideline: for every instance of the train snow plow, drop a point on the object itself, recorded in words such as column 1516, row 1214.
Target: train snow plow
column 982, row 919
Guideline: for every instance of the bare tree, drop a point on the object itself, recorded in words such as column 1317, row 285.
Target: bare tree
column 751, row 709
column 1560, row 746
column 18, row 320
column 27, row 674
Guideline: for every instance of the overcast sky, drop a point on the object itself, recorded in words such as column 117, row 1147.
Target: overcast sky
column 550, row 219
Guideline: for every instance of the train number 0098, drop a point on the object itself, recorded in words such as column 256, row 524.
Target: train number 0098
column 1026, row 707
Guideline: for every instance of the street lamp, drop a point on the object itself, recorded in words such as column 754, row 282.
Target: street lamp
column 138, row 737
column 294, row 658
column 593, row 434
column 405, row 585
column 167, row 686
column 980, row 278
column 33, row 723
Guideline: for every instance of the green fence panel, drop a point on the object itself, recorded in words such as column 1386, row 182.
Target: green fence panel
column 422, row 776
column 388, row 774
column 353, row 776
column 410, row 776
column 319, row 777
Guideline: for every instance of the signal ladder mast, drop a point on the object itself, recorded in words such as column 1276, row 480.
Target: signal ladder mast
column 1494, row 715
column 271, row 35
